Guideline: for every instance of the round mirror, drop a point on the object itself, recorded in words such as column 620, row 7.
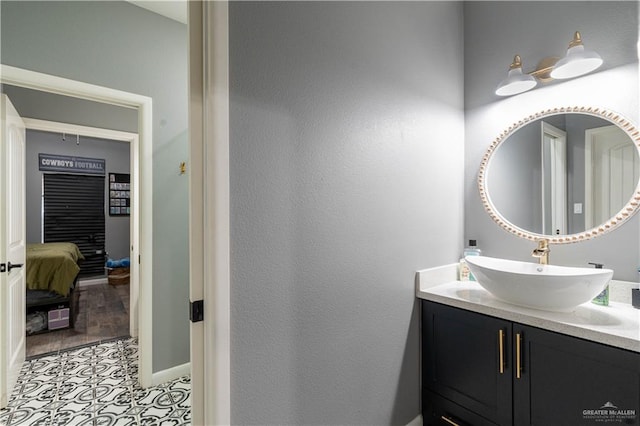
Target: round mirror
column 566, row 175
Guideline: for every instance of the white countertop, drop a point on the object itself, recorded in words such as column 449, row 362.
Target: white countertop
column 616, row 325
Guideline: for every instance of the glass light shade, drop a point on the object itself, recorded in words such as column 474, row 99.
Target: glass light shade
column 516, row 82
column 577, row 62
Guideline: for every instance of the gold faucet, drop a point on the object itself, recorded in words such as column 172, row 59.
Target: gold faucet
column 542, row 251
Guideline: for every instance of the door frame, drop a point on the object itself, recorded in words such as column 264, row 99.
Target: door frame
column 134, row 219
column 141, row 185
column 209, row 210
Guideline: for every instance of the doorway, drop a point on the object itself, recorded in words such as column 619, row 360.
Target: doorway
column 554, row 180
column 101, row 302
column 141, row 190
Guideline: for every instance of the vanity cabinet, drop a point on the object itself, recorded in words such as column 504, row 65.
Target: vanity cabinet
column 481, row 370
column 460, row 367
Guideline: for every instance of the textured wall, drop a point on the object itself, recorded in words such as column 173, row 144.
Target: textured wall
column 535, row 30
column 65, row 109
column 116, row 156
column 121, row 46
column 346, row 177
column 495, row 31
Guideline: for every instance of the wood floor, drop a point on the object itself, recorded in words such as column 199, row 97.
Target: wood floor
column 103, row 314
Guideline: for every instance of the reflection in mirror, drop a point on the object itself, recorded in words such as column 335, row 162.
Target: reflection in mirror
column 561, row 174
column 612, row 169
column 554, row 179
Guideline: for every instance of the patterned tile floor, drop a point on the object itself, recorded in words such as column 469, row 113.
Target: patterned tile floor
column 95, row 385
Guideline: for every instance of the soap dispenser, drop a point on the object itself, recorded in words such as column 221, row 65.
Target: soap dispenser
column 603, row 297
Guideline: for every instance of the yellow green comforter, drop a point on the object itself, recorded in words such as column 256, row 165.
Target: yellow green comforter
column 52, row 266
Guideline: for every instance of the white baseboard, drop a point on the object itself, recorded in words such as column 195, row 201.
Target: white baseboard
column 169, row 374
column 93, row 281
column 418, row 421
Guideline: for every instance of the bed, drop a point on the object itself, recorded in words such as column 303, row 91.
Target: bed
column 51, row 275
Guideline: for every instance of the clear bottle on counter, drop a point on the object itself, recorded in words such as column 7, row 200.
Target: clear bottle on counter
column 471, row 250
column 602, row 298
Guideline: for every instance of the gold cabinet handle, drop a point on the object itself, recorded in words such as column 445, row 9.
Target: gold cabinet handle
column 518, row 355
column 501, row 350
column 448, row 420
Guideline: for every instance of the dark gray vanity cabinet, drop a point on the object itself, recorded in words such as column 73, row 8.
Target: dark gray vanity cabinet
column 565, row 381
column 463, row 380
column 480, row 370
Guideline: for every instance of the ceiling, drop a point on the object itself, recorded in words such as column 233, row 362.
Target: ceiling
column 172, row 9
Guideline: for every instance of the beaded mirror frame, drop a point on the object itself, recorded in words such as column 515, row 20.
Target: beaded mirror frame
column 627, row 211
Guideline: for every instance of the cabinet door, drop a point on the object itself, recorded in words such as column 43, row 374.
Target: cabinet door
column 569, row 381
column 461, row 359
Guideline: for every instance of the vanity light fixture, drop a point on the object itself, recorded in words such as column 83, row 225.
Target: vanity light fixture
column 577, row 62
column 516, row 82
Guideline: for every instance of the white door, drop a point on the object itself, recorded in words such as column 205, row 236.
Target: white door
column 12, row 248
column 615, row 172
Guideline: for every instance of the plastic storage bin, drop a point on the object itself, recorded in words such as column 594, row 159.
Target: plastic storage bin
column 58, row 318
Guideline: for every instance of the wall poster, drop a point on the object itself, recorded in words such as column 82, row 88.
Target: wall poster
column 119, row 194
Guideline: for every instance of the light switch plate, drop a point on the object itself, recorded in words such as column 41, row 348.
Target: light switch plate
column 577, row 208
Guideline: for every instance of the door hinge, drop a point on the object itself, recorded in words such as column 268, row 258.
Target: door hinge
column 3, row 267
column 196, row 311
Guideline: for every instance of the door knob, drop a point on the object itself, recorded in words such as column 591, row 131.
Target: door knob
column 13, row 265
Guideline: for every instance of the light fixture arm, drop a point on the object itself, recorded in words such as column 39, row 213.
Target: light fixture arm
column 544, row 68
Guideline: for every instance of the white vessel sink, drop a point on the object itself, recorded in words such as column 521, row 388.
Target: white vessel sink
column 546, row 287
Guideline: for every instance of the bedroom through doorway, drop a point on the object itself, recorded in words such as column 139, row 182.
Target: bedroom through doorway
column 78, row 189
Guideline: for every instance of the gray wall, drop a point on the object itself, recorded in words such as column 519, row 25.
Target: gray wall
column 118, row 45
column 65, row 109
column 346, row 177
column 535, row 30
column 514, row 177
column 495, row 31
column 516, row 185
column 116, row 156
